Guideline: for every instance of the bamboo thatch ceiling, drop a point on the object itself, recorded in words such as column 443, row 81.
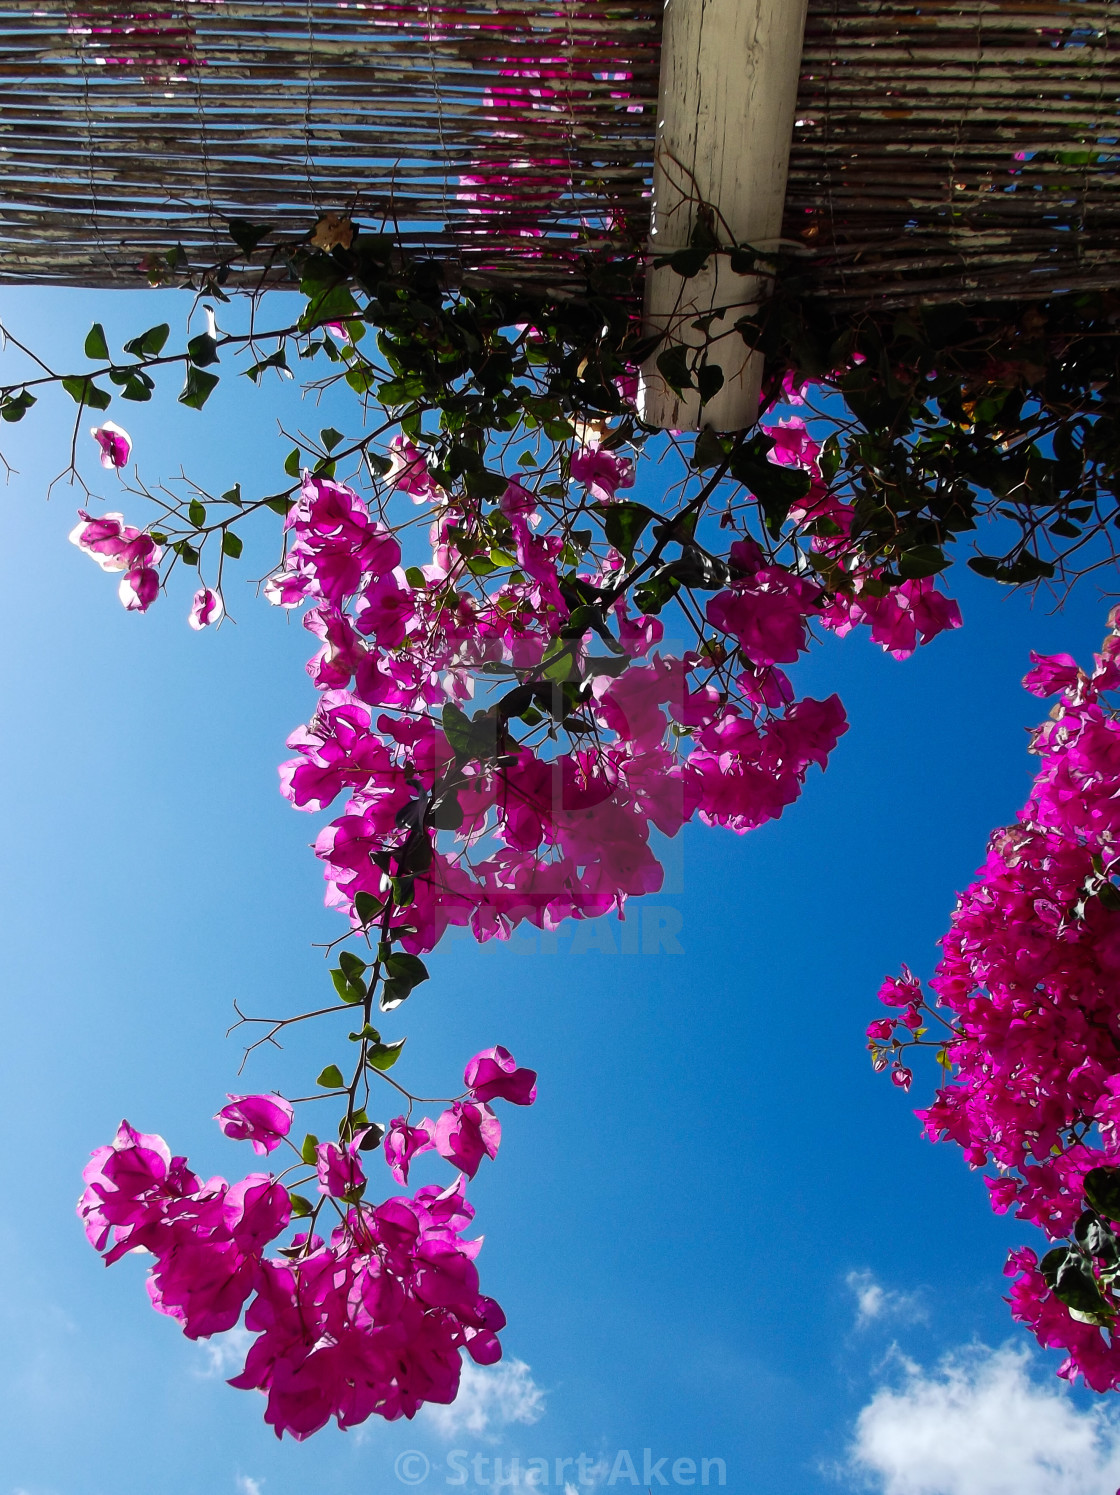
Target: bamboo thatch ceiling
column 942, row 149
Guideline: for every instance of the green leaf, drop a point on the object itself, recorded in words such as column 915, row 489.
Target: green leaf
column 366, row 1031
column 695, row 568
column 231, row 545
column 709, row 380
column 689, row 262
column 149, row 344
column 85, row 392
column 1051, row 1263
column 277, row 360
column 367, row 907
column 372, row 1138
column 447, row 812
column 1099, row 1239
column 307, row 1151
column 196, row 513
column 405, row 973
column 408, row 968
column 710, row 450
column 651, row 596
column 137, row 386
column 777, row 489
column 673, row 366
column 362, row 379
column 331, row 1078
column 482, row 484
column 301, row 1207
column 623, row 524
column 1076, row 1286
column 558, row 662
column 247, row 235
column 743, row 260
column 198, row 388
column 332, row 304
column 470, row 739
column 353, row 968
column 384, row 1055
column 348, row 991
column 280, row 504
column 292, row 463
column 15, row 407
column 330, row 438
column 95, row 345
column 1102, row 1190
column 830, row 458
column 393, row 993
column 233, row 495
column 202, row 350
column 922, row 560
column 1026, row 568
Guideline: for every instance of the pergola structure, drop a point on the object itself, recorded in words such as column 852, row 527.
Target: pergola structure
column 942, row 150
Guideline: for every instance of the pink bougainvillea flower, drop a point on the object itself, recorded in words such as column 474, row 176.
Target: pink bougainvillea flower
column 493, row 1075
column 114, row 545
column 205, row 609
column 602, row 473
column 339, row 1169
column 1051, row 673
column 465, row 1134
column 409, row 471
column 262, row 1120
column 403, row 1142
column 793, row 446
column 115, row 444
column 139, row 588
column 901, row 991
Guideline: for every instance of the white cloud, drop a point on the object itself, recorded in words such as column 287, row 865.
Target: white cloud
column 248, row 1486
column 980, row 1425
column 874, row 1301
column 225, row 1356
column 489, row 1400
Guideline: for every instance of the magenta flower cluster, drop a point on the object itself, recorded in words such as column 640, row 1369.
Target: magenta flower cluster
column 1026, row 1013
column 542, row 836
column 372, row 1319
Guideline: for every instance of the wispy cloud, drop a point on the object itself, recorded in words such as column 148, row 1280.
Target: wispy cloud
column 489, row 1400
column 225, row 1354
column 876, row 1302
column 982, row 1425
column 248, row 1486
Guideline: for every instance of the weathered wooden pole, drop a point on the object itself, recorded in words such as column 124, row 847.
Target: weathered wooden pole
column 729, row 72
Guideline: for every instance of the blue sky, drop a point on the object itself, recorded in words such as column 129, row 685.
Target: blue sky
column 717, row 1236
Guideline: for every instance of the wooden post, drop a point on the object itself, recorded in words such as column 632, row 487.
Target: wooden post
column 729, row 72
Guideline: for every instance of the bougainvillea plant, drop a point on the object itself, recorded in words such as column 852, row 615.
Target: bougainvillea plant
column 1025, row 1021
column 501, row 705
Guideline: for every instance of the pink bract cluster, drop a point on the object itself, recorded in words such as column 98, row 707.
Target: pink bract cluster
column 371, row 1320
column 540, row 835
column 117, row 546
column 1029, row 977
column 536, row 833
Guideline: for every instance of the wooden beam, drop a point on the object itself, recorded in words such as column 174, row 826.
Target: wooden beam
column 729, row 73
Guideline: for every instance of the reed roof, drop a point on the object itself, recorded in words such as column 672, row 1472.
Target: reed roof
column 943, row 148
